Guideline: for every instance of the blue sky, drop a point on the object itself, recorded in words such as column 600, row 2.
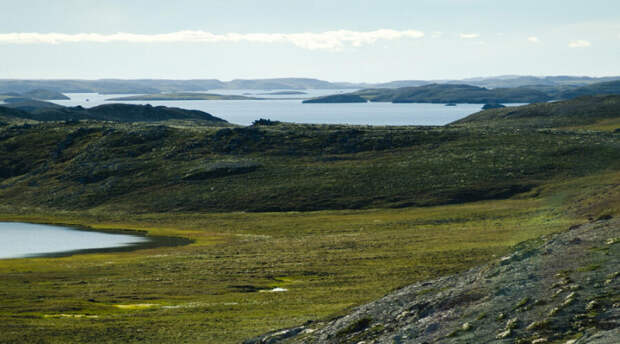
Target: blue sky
column 334, row 40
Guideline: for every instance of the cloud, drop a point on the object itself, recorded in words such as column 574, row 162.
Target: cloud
column 579, row 44
column 437, row 34
column 469, row 35
column 329, row 40
column 533, row 39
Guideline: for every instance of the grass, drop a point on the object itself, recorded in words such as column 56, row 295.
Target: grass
column 328, row 260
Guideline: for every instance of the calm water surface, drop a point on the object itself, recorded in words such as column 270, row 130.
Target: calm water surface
column 20, row 240
column 292, row 110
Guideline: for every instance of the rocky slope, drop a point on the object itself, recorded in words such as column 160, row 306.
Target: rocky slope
column 558, row 289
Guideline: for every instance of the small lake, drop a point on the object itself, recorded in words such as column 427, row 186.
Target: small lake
column 284, row 108
column 22, row 240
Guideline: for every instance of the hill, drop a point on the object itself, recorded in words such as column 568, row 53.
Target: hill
column 574, row 112
column 44, row 111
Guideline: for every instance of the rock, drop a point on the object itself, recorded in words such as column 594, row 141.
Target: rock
column 512, row 323
column 592, row 305
column 504, row 334
column 466, row 326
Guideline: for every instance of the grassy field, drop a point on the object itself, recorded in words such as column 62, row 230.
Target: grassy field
column 216, row 290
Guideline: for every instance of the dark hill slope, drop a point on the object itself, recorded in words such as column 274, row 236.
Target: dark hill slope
column 80, row 165
column 574, row 112
column 44, row 111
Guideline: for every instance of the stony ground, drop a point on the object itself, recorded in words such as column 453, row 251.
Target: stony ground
column 557, row 289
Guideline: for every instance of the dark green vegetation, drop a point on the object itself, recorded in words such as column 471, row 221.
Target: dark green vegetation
column 284, row 166
column 454, row 93
column 596, row 110
column 45, row 111
column 184, row 96
column 337, row 98
column 394, row 206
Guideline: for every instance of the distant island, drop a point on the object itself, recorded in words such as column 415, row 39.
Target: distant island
column 282, row 93
column 547, row 84
column 41, row 94
column 488, row 106
column 184, row 96
column 468, row 94
column 338, row 98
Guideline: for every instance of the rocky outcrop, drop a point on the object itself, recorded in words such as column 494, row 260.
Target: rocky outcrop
column 561, row 288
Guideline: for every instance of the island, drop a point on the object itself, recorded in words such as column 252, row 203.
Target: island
column 46, row 111
column 282, row 93
column 40, row 94
column 337, row 98
column 184, row 96
column 488, row 106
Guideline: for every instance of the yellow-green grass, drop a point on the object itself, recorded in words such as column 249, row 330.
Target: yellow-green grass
column 611, row 124
column 329, row 261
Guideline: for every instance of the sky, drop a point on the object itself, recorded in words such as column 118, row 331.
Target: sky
column 335, row 40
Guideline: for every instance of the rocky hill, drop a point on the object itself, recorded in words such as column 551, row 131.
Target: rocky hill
column 557, row 289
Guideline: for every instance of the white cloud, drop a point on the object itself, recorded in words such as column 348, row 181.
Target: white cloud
column 469, row 35
column 579, row 44
column 437, row 34
column 533, row 39
column 329, row 40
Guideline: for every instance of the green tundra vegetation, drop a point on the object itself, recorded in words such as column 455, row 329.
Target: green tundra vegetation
column 334, row 215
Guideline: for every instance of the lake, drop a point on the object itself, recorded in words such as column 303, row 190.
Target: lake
column 20, row 240
column 287, row 109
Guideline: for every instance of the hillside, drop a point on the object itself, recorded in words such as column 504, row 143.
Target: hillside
column 45, row 111
column 279, row 167
column 575, row 112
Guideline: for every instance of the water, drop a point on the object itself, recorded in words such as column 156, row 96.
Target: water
column 20, row 240
column 292, row 110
